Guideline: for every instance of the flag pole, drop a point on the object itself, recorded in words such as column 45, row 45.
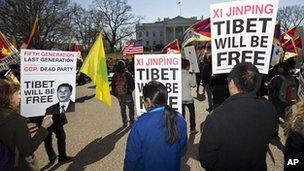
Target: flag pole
column 180, row 8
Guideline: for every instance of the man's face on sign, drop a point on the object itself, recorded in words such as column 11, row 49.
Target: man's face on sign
column 64, row 94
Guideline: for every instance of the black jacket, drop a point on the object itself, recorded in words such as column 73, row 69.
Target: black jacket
column 206, row 73
column 129, row 81
column 274, row 91
column 236, row 134
column 220, row 91
column 294, row 149
column 59, row 118
column 15, row 133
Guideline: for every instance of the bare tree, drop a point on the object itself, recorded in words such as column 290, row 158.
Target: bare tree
column 84, row 28
column 114, row 17
column 291, row 16
column 17, row 17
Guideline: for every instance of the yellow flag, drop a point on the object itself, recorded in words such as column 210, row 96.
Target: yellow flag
column 34, row 28
column 95, row 67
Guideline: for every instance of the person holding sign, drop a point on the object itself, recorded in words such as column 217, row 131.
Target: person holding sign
column 236, row 134
column 58, row 110
column 187, row 99
column 15, row 136
column 158, row 138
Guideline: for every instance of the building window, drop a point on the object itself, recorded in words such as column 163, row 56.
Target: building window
column 147, row 34
column 153, row 34
column 147, row 43
column 140, row 34
column 161, row 33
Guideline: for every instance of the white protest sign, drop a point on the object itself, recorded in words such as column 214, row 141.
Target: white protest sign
column 242, row 31
column 165, row 68
column 190, row 54
column 301, row 87
column 47, row 77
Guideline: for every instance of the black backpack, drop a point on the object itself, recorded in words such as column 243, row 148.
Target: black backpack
column 121, row 85
column 7, row 157
column 288, row 90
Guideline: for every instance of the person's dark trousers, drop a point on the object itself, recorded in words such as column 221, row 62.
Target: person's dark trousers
column 81, row 79
column 280, row 114
column 58, row 130
column 191, row 109
column 124, row 101
column 209, row 94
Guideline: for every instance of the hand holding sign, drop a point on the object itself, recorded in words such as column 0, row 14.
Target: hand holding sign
column 47, row 121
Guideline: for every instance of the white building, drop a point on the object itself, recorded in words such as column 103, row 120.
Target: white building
column 158, row 34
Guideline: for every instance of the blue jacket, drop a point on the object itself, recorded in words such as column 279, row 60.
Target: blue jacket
column 147, row 149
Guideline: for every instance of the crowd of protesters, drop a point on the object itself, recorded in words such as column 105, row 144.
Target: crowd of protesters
column 245, row 110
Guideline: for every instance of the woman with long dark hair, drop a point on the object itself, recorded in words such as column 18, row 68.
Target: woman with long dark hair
column 294, row 131
column 15, row 136
column 158, row 138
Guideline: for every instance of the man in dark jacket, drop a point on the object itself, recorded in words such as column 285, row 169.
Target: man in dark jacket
column 206, row 78
column 283, row 73
column 237, row 133
column 122, row 87
column 220, row 90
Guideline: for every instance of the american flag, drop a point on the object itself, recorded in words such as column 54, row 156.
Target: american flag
column 133, row 48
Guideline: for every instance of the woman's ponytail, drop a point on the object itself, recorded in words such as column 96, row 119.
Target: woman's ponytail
column 158, row 94
column 170, row 115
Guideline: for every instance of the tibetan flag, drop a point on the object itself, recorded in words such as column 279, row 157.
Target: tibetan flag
column 95, row 67
column 204, row 46
column 199, row 32
column 8, row 53
column 290, row 34
column 298, row 42
column 277, row 50
column 172, row 47
column 4, row 49
column 289, row 49
column 277, row 38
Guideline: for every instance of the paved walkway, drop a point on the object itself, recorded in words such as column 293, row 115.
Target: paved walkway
column 97, row 140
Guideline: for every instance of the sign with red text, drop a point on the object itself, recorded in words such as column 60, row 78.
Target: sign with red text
column 48, row 82
column 164, row 68
column 242, row 31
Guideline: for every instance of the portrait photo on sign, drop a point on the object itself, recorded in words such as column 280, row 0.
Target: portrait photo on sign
column 64, row 104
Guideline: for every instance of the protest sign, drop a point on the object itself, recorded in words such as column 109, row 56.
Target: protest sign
column 301, row 86
column 165, row 68
column 242, row 31
column 43, row 74
column 190, row 54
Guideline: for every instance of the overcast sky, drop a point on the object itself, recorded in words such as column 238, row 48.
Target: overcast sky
column 153, row 9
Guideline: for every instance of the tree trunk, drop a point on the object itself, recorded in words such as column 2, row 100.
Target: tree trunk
column 112, row 47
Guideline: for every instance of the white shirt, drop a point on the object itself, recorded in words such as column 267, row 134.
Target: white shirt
column 188, row 81
column 66, row 105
